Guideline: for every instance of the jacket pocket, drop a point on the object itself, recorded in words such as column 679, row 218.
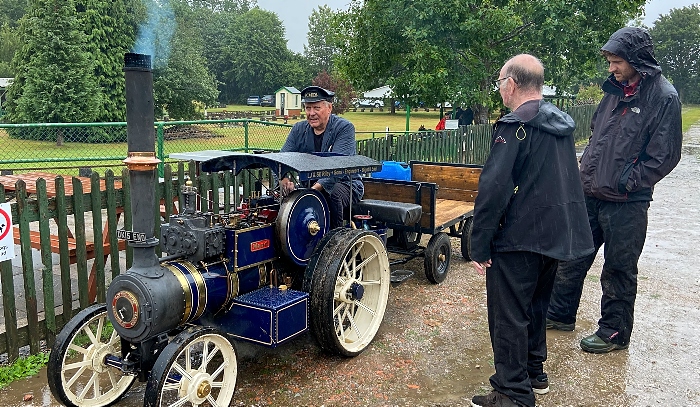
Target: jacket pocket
column 625, row 176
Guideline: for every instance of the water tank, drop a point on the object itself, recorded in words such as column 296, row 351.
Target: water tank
column 394, row 170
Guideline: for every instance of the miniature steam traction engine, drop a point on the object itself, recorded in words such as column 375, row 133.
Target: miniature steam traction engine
column 173, row 322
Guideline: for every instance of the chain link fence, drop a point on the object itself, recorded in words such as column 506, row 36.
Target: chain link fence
column 67, row 147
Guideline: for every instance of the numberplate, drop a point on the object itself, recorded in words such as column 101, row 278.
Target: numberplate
column 131, row 236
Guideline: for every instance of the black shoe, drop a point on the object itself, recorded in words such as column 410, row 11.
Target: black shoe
column 559, row 326
column 540, row 384
column 493, row 399
column 596, row 344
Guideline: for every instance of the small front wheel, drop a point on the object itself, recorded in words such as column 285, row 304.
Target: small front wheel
column 437, row 258
column 77, row 373
column 198, row 368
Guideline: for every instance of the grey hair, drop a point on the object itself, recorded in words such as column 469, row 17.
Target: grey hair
column 526, row 76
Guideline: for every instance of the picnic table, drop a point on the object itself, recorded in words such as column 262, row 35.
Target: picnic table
column 30, row 180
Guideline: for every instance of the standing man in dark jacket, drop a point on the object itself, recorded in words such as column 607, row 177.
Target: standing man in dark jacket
column 636, row 141
column 325, row 132
column 529, row 214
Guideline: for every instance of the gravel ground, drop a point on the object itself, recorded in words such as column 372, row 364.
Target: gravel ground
column 434, row 350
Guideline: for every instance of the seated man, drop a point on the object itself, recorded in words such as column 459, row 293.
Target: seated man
column 324, row 132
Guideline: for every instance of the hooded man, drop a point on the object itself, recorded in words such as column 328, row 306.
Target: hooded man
column 529, row 214
column 635, row 142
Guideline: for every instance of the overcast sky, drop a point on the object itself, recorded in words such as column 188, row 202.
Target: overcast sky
column 295, row 15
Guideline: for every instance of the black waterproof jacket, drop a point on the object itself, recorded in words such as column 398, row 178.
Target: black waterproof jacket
column 530, row 196
column 636, row 140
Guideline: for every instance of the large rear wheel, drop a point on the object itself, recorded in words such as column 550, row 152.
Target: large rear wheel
column 349, row 291
column 198, row 368
column 77, row 373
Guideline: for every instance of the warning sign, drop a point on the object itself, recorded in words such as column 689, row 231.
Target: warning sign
column 7, row 242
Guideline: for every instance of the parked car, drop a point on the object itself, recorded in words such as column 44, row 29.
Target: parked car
column 267, row 100
column 368, row 103
column 253, row 101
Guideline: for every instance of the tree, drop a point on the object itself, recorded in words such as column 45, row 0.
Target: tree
column 11, row 11
column 676, row 36
column 344, row 92
column 321, row 48
column 109, row 37
column 56, row 83
column 255, row 51
column 9, row 44
column 184, row 81
column 453, row 50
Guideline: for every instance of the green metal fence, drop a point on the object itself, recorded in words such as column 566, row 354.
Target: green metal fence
column 468, row 145
column 68, row 146
column 65, row 147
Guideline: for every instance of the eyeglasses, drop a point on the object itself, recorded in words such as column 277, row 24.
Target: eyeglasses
column 497, row 82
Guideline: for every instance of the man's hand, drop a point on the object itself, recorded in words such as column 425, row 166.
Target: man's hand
column 481, row 266
column 286, row 186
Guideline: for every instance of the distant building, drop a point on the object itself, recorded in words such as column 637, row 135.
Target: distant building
column 382, row 92
column 288, row 101
column 4, row 84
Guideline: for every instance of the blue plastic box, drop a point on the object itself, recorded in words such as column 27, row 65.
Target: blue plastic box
column 394, row 170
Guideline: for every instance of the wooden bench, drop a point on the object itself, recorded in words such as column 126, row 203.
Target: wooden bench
column 35, row 243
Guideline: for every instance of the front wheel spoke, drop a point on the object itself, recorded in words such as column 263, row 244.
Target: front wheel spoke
column 209, row 358
column 211, row 400
column 76, row 376
column 88, row 385
column 77, row 348
column 218, row 371
column 112, row 378
column 90, row 334
column 183, row 372
column 114, row 338
column 174, row 386
column 180, row 402
column 100, row 327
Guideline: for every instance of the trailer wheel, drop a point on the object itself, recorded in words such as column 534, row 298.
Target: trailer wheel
column 466, row 237
column 437, row 258
column 198, row 367
column 77, row 373
column 349, row 293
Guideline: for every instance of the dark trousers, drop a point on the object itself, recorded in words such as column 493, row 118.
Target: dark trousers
column 338, row 202
column 622, row 227
column 518, row 287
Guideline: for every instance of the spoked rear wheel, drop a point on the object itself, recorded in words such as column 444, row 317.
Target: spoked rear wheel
column 198, row 368
column 77, row 373
column 350, row 289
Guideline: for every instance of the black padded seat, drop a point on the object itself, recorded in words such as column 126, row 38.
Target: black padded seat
column 397, row 213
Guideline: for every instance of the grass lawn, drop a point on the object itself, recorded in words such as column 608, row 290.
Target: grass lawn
column 367, row 121
column 367, row 125
column 690, row 116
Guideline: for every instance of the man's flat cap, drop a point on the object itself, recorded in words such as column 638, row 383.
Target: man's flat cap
column 312, row 94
